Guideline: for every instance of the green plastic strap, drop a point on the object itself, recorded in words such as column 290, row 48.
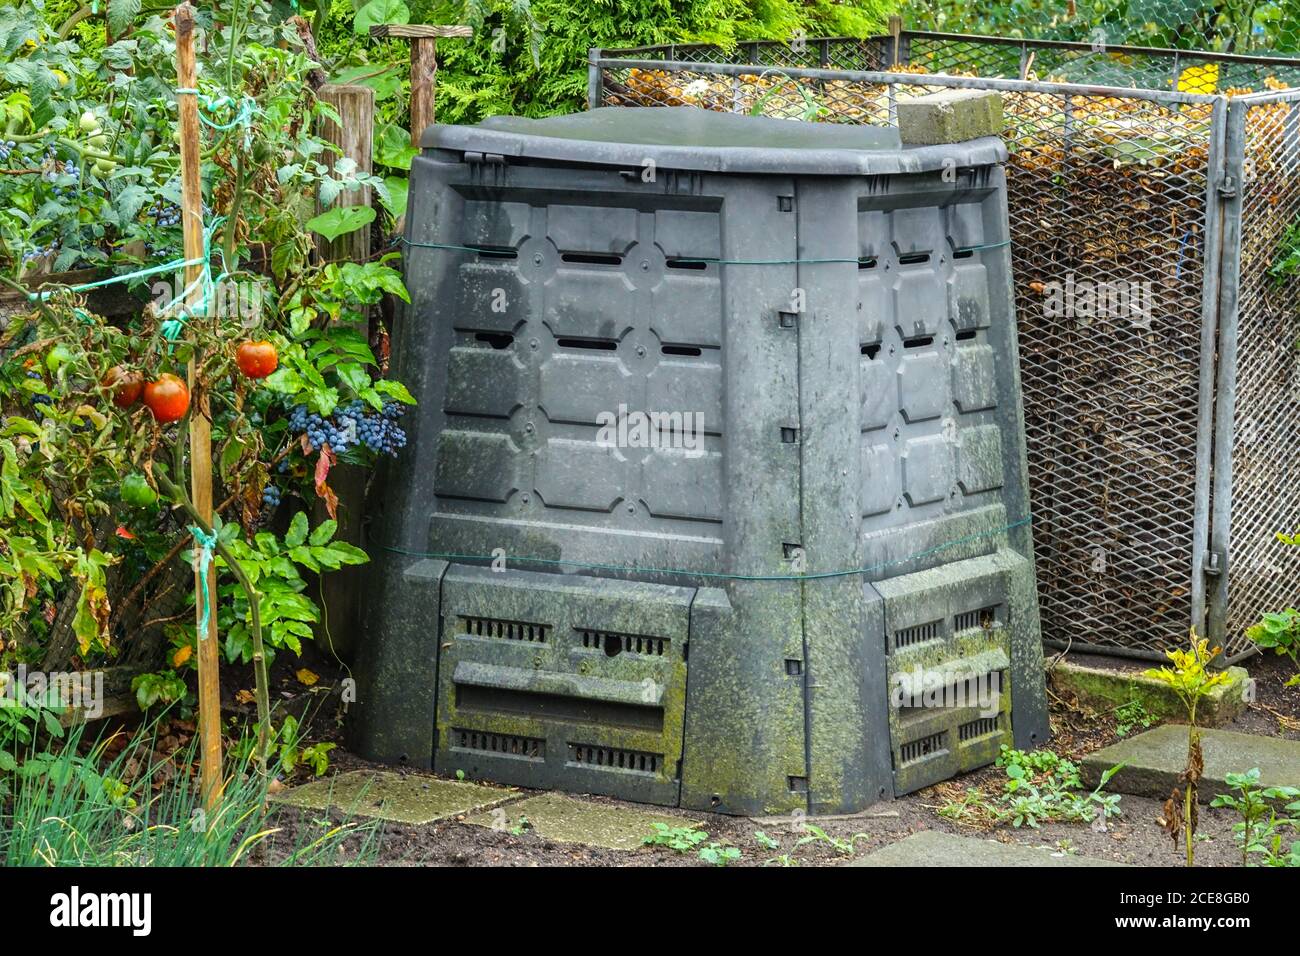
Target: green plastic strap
column 710, row 260
column 632, row 569
column 206, row 543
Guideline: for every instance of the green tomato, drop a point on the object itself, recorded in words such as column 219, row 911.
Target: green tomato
column 98, row 141
column 136, row 491
column 103, row 167
column 57, row 357
column 88, row 122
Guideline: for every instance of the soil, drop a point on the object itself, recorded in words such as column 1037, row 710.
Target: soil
column 1134, row 837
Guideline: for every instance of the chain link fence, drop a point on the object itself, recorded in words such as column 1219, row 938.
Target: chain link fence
column 1152, row 198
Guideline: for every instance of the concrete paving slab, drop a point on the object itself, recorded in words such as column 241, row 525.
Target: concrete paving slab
column 1154, row 759
column 936, row 848
column 1106, row 688
column 563, row 819
column 401, row 798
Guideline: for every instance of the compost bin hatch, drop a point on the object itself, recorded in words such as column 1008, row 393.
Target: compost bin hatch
column 712, row 453
column 684, row 137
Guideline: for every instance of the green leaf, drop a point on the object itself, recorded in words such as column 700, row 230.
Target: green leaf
column 378, row 12
column 322, row 533
column 397, row 192
column 348, row 553
column 395, row 390
column 121, row 14
column 7, row 762
column 341, row 220
column 393, row 148
column 297, row 532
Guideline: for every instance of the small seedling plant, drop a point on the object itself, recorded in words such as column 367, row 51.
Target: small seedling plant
column 1132, row 715
column 1192, row 680
column 1041, row 786
column 1262, row 828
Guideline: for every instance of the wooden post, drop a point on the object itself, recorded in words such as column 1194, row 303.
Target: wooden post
column 354, row 137
column 424, row 65
column 895, row 31
column 200, row 412
column 341, row 589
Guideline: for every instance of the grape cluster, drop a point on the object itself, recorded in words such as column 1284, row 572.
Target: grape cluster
column 321, row 431
column 351, row 426
column 40, row 252
column 39, row 399
column 271, row 496
column 165, row 215
column 59, row 169
column 379, row 431
column 6, row 148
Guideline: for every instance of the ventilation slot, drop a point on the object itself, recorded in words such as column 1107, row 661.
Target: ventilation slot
column 965, row 335
column 614, row 758
column 871, row 351
column 693, row 264
column 977, row 728
column 506, row 630
column 919, row 634
column 498, row 340
column 690, row 350
column 592, row 259
column 925, row 747
column 866, row 262
column 599, row 345
column 613, row 643
column 504, row 745
column 914, row 259
column 983, row 619
column 495, row 252
column 919, row 342
column 963, row 253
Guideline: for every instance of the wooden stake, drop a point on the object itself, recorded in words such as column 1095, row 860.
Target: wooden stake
column 200, row 411
column 354, row 138
column 424, row 65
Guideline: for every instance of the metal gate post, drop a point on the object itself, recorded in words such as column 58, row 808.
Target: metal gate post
column 593, row 77
column 1212, row 259
column 1230, row 187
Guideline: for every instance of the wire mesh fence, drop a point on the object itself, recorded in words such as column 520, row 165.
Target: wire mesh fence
column 1249, row 26
column 1125, row 217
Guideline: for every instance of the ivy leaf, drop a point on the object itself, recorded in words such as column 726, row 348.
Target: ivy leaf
column 341, row 220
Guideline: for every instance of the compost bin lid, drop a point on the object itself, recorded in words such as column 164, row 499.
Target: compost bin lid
column 687, row 137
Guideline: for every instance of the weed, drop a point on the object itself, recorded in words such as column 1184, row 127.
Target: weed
column 765, row 841
column 1040, row 786
column 719, row 855
column 1130, row 715
column 1191, row 679
column 1259, row 830
column 681, row 839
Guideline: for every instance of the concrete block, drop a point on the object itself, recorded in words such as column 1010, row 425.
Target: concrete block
column 951, row 116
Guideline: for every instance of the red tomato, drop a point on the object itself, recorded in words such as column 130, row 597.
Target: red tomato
column 256, row 359
column 167, row 397
column 126, row 386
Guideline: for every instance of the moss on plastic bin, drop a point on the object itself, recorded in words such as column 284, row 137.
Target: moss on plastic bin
column 1105, row 689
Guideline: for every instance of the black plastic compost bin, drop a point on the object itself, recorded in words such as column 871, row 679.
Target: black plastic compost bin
column 715, row 494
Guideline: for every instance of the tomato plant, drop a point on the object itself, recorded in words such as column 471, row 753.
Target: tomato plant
column 277, row 340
